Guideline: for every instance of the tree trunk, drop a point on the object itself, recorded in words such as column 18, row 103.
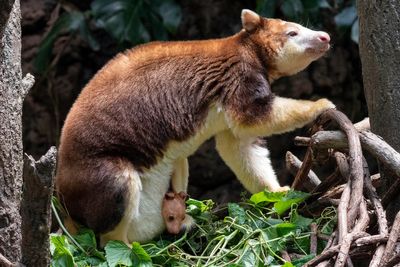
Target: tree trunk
column 35, row 209
column 380, row 58
column 12, row 92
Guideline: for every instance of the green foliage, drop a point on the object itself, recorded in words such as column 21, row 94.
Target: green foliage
column 252, row 234
column 126, row 21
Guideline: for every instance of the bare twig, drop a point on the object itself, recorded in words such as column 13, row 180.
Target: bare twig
column 393, row 236
column 379, row 212
column 5, row 262
column 359, row 228
column 293, row 165
column 313, row 238
column 393, row 261
column 342, row 212
column 326, row 254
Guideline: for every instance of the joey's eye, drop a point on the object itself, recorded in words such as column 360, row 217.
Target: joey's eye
column 171, row 218
column 292, row 33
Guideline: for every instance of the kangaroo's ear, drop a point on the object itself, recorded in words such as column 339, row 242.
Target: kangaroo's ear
column 250, row 20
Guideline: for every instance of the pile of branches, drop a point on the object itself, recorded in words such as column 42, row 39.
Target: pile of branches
column 362, row 230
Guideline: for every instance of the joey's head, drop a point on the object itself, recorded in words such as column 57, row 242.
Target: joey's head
column 287, row 47
column 174, row 211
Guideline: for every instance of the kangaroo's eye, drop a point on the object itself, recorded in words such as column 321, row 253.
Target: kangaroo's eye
column 292, row 33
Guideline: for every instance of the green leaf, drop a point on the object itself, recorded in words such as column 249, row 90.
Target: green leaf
column 301, row 222
column 266, row 8
column 273, row 235
column 67, row 23
column 171, row 14
column 195, row 206
column 303, row 260
column 118, row 253
column 292, row 197
column 86, row 239
column 60, row 252
column 140, row 257
column 249, row 255
column 355, row 32
column 267, row 196
column 235, row 211
column 288, row 264
column 292, row 9
column 346, row 17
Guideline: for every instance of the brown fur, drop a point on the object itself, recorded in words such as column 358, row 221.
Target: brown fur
column 174, row 211
column 151, row 95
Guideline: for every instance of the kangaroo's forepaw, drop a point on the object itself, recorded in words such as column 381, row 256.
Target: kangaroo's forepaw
column 322, row 105
column 282, row 189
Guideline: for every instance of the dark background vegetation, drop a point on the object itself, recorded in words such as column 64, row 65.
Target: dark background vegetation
column 65, row 42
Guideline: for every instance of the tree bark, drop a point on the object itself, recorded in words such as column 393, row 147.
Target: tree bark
column 380, row 58
column 12, row 92
column 35, row 209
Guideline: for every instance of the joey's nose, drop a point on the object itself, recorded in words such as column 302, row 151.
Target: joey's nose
column 324, row 37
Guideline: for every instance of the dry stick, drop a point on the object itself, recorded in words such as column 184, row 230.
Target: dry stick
column 393, row 261
column 326, row 254
column 369, row 240
column 327, row 183
column 343, row 165
column 374, row 144
column 391, row 193
column 342, row 212
column 358, row 229
column 307, row 162
column 304, row 170
column 355, row 161
column 293, row 165
column 313, row 238
column 379, row 212
column 393, row 236
column 5, row 262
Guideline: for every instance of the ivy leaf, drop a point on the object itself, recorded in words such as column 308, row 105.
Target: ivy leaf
column 292, row 197
column 118, row 253
column 267, row 197
column 301, row 222
column 139, row 256
column 235, row 211
column 288, row 264
column 249, row 255
column 60, row 251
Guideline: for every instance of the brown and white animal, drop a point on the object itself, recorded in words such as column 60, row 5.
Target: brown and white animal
column 174, row 212
column 140, row 117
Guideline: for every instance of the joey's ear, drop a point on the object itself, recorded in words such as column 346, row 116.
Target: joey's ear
column 169, row 195
column 250, row 20
column 183, row 195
